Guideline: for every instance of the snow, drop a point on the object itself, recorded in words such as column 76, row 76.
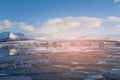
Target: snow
column 5, row 36
column 13, row 36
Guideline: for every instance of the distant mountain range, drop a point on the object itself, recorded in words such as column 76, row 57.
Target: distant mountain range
column 9, row 36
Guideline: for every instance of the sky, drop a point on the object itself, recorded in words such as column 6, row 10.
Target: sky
column 60, row 17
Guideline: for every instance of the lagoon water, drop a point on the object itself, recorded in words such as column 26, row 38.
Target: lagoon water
column 4, row 52
column 37, row 64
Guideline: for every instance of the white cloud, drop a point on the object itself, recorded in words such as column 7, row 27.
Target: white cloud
column 7, row 24
column 116, row 0
column 24, row 26
column 118, row 26
column 113, row 19
column 11, row 24
column 58, row 24
column 1, row 27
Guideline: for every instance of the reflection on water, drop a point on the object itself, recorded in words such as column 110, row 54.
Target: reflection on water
column 12, row 51
column 59, row 64
column 7, row 51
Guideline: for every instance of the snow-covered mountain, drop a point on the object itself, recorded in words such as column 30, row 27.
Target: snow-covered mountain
column 9, row 36
column 13, row 36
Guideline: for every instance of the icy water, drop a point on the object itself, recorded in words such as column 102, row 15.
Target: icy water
column 82, row 64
